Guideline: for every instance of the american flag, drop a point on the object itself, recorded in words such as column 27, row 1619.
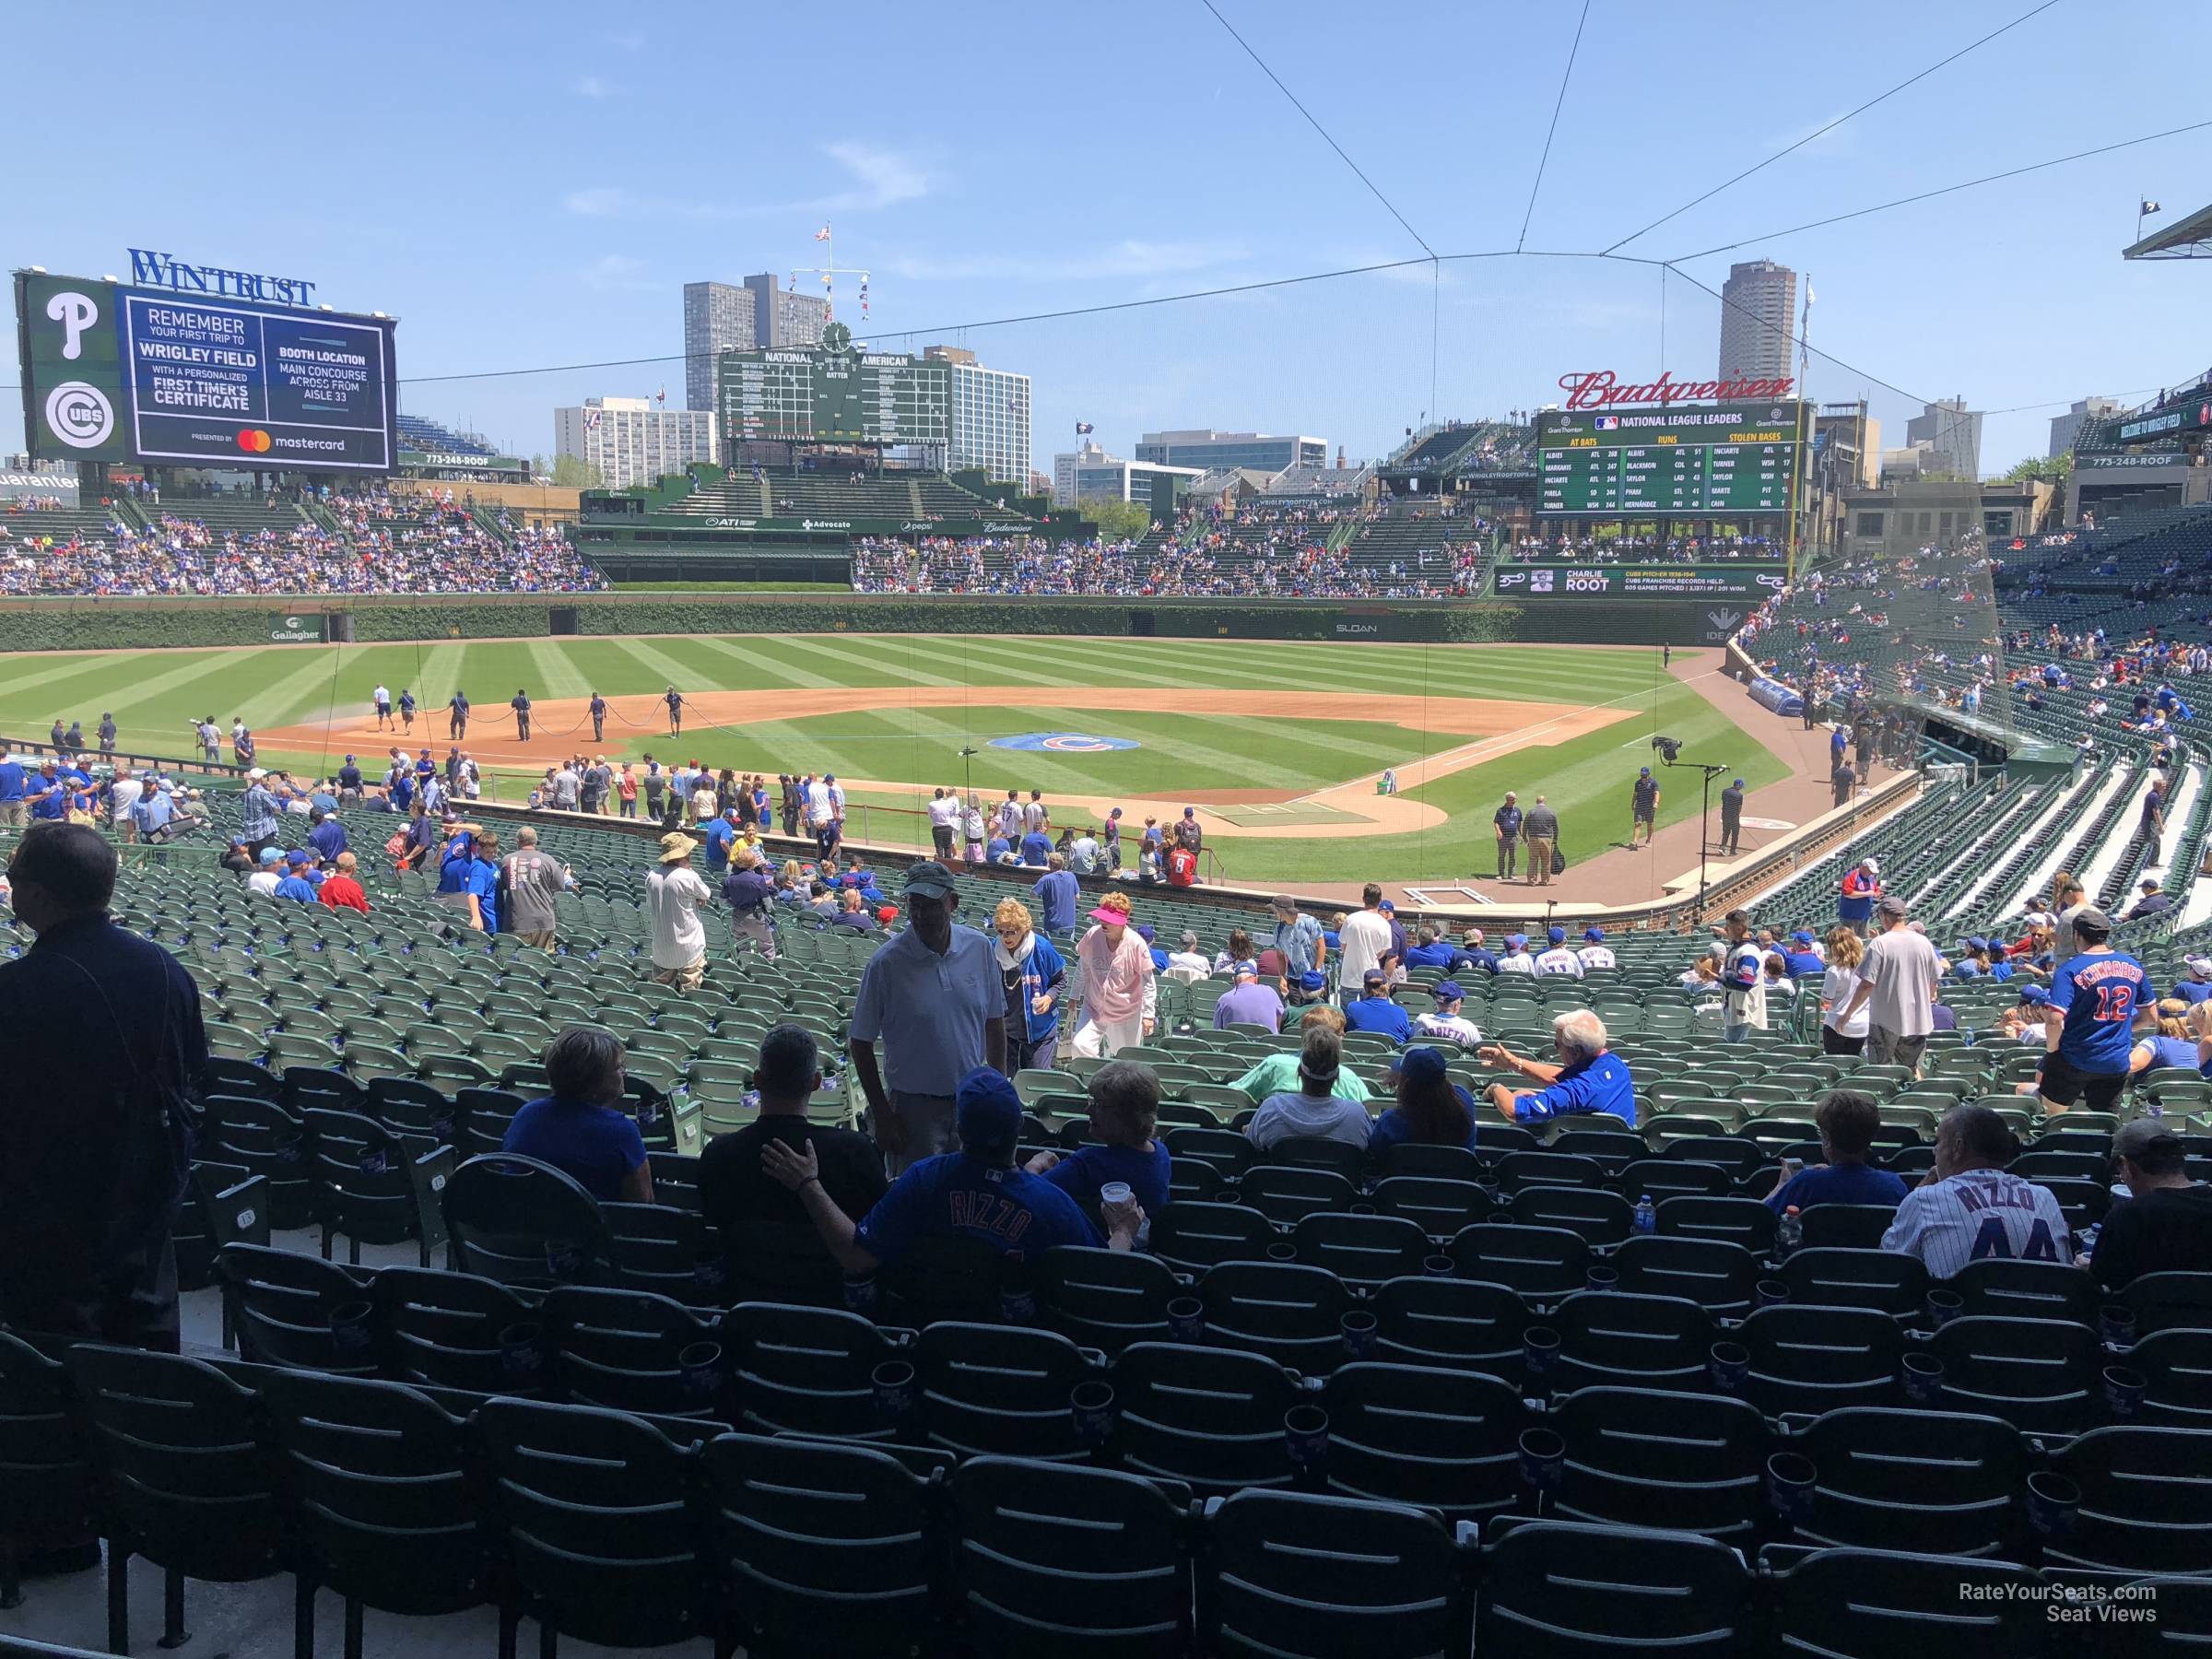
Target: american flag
column 823, row 234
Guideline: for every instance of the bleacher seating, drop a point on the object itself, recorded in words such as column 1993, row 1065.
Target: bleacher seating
column 434, row 436
column 1451, row 1404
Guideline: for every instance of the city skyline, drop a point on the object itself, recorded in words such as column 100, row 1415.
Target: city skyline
column 577, row 259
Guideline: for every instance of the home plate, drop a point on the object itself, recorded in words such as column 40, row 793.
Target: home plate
column 1768, row 824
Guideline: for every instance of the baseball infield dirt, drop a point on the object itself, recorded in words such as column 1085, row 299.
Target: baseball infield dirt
column 1498, row 728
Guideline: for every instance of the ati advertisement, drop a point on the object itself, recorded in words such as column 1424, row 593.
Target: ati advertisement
column 1748, row 583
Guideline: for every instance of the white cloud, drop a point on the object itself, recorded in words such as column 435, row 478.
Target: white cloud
column 1840, row 142
column 592, row 87
column 884, row 176
column 881, row 178
column 618, row 272
column 1129, row 258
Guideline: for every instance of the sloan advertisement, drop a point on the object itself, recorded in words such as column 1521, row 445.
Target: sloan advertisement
column 1749, row 582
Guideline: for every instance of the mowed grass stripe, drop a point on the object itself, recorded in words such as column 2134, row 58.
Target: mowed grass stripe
column 665, row 670
column 770, row 659
column 861, row 661
column 553, row 674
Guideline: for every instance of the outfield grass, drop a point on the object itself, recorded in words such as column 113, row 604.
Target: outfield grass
column 154, row 695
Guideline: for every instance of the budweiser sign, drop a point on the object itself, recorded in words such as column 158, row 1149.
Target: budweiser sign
column 1602, row 389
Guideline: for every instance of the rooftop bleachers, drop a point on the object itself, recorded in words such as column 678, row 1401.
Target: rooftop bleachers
column 418, row 432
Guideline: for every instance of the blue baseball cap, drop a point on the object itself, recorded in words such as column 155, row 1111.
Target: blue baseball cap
column 269, row 855
column 1645, row 773
column 1516, row 940
column 2035, row 996
column 1246, row 967
column 987, row 1112
column 1420, row 1064
column 295, row 857
column 1739, row 782
column 1976, row 942
column 1387, row 905
column 1145, row 931
column 1313, row 978
column 1373, row 976
column 1804, row 935
column 1558, row 936
column 1594, row 934
column 1446, row 991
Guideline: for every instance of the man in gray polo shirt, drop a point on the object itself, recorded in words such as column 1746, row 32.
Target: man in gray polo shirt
column 931, row 995
column 1897, row 984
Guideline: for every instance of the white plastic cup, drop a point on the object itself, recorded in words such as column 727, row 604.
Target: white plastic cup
column 1116, row 1192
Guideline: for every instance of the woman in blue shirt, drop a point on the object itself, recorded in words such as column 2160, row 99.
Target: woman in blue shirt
column 1848, row 1121
column 2169, row 1042
column 1431, row 1110
column 1125, row 1110
column 580, row 1128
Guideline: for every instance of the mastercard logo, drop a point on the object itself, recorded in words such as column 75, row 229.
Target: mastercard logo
column 253, row 441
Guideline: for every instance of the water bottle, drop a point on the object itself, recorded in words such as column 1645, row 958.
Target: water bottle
column 2084, row 1241
column 1647, row 1215
column 1791, row 1234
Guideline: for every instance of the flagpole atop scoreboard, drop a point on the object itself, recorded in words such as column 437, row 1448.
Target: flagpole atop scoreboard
column 828, row 270
column 1799, row 436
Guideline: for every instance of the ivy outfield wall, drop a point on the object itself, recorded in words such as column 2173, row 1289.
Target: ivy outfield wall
column 98, row 624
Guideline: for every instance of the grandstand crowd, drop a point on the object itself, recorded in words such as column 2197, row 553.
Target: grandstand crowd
column 1259, row 548
column 367, row 541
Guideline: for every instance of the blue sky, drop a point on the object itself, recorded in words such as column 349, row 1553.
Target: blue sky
column 528, row 186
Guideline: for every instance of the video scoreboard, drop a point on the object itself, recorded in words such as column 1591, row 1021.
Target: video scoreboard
column 118, row 373
column 1704, row 461
column 837, row 393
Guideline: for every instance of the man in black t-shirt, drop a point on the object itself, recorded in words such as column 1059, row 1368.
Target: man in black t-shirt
column 770, row 1243
column 1643, row 807
column 1732, row 819
column 2166, row 1224
column 520, row 704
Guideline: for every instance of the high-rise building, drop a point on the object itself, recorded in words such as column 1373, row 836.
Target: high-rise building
column 1953, row 434
column 990, row 414
column 1204, row 448
column 716, row 315
column 752, row 315
column 1089, row 473
column 1758, row 321
column 629, row 442
column 785, row 316
column 1848, row 443
column 2065, row 429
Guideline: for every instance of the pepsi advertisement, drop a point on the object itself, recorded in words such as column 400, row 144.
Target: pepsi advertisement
column 222, row 382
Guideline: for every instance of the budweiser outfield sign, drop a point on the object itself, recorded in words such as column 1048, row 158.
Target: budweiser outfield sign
column 1602, row 389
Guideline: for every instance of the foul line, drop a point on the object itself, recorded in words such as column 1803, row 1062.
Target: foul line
column 1513, row 737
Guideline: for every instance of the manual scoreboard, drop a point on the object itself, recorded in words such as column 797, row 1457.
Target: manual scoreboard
column 1703, row 461
column 837, row 393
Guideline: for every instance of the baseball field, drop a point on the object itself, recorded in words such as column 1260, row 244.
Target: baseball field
column 1278, row 744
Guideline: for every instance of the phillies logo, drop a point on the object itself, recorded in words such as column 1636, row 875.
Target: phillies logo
column 1601, row 389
